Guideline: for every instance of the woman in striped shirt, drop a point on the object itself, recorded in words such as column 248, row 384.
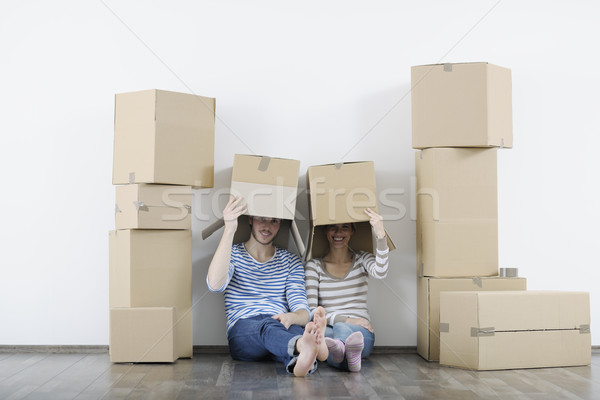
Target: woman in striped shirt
column 339, row 282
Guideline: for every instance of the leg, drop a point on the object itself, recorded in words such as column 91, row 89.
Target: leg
column 260, row 337
column 308, row 348
column 321, row 323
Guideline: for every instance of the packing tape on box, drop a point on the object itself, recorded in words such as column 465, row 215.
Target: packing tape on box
column 338, row 165
column 584, row 328
column 131, row 178
column 501, row 143
column 444, row 327
column 447, row 67
column 117, row 209
column 478, row 332
column 477, row 281
column 140, row 206
column 509, row 272
column 263, row 165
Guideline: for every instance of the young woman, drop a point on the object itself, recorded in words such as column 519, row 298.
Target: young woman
column 339, row 282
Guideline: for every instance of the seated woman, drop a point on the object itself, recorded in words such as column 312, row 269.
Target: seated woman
column 339, row 282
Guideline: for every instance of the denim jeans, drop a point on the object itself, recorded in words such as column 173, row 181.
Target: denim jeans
column 341, row 331
column 261, row 337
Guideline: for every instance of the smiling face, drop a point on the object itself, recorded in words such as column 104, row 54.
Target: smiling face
column 338, row 235
column 264, row 229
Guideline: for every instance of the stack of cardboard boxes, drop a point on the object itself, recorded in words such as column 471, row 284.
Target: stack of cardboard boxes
column 461, row 115
column 164, row 145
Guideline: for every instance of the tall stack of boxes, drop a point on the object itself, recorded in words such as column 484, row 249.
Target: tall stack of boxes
column 163, row 146
column 461, row 115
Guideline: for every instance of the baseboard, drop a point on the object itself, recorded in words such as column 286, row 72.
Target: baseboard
column 89, row 349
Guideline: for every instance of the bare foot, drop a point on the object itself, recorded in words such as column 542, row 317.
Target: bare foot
column 308, row 348
column 321, row 323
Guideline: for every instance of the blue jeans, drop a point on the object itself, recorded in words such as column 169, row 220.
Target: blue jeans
column 341, row 331
column 261, row 337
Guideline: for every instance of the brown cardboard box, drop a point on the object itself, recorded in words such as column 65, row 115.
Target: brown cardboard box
column 153, row 268
column 339, row 193
column 457, row 212
column 164, row 137
column 142, row 334
column 461, row 105
column 428, row 305
column 141, row 206
column 507, row 330
column 269, row 186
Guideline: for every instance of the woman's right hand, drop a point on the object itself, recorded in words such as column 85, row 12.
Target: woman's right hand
column 360, row 322
column 234, row 208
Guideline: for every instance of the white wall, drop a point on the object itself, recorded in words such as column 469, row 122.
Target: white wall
column 315, row 81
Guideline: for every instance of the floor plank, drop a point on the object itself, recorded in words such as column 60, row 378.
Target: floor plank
column 216, row 376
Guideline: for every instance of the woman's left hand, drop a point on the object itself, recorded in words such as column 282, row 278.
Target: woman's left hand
column 376, row 222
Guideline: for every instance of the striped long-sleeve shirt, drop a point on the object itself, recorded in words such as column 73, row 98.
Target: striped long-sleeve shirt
column 345, row 297
column 253, row 288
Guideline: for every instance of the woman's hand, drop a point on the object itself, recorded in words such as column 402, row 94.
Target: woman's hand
column 234, row 208
column 376, row 222
column 360, row 322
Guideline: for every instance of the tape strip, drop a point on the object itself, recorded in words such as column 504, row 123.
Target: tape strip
column 140, row 206
column 444, row 327
column 131, row 177
column 479, row 332
column 338, row 165
column 584, row 328
column 188, row 207
column 117, row 209
column 502, row 143
column 264, row 163
column 447, row 67
column 477, row 280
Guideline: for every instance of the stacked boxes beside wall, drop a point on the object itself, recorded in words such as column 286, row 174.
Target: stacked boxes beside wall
column 164, row 146
column 461, row 115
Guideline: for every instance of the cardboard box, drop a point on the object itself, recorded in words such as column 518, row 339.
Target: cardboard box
column 507, row 330
column 339, row 193
column 164, row 137
column 457, row 212
column 141, row 206
column 461, row 105
column 428, row 305
column 269, row 185
column 153, row 268
column 142, row 334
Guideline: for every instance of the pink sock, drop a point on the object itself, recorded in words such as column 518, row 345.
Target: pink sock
column 336, row 349
column 355, row 343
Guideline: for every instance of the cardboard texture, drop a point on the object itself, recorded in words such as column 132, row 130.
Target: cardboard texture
column 461, row 105
column 508, row 330
column 428, row 305
column 269, row 185
column 142, row 334
column 153, row 268
column 457, row 212
column 141, row 206
column 339, row 193
column 164, row 137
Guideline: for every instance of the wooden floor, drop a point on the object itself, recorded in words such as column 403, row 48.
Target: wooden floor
column 217, row 376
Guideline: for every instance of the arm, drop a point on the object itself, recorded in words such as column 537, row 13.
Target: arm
column 218, row 270
column 378, row 265
column 295, row 293
column 311, row 279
